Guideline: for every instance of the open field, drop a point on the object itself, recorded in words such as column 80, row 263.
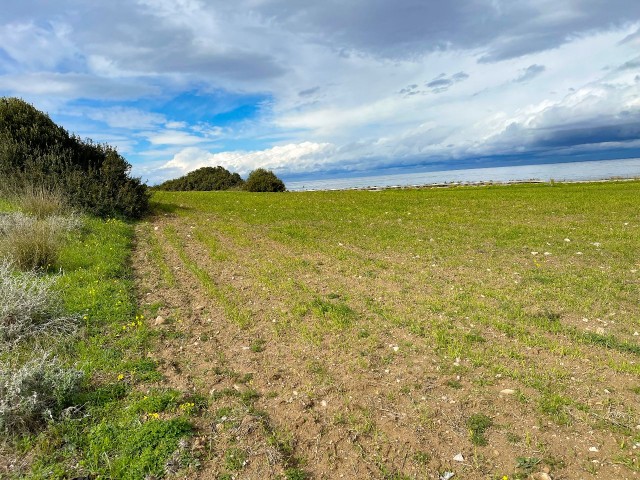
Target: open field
column 379, row 334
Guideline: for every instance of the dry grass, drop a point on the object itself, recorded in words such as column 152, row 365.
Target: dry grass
column 41, row 202
column 32, row 242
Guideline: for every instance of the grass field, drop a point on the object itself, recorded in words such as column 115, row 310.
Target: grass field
column 378, row 334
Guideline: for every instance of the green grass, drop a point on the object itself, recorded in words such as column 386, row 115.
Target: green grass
column 117, row 432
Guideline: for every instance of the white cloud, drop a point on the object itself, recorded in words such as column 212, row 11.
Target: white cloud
column 172, row 137
column 128, row 118
column 302, row 157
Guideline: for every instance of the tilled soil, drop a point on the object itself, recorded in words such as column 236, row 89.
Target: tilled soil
column 370, row 400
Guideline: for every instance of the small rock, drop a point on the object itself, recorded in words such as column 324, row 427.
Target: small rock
column 507, row 391
column 458, row 458
column 323, row 403
column 160, row 320
column 540, row 476
column 593, row 449
column 567, row 240
column 447, row 476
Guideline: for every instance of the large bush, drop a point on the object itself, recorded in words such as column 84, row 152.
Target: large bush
column 261, row 180
column 204, row 179
column 93, row 177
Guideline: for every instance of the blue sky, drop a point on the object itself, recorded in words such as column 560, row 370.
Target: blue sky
column 311, row 89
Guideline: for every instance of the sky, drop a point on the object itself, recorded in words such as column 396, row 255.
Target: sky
column 313, row 89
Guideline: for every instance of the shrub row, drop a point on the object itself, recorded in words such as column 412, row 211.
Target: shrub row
column 206, row 179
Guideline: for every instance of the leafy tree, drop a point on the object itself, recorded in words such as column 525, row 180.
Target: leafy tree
column 261, row 180
column 94, row 177
column 204, row 179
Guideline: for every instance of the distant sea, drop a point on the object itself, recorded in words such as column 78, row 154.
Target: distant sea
column 574, row 171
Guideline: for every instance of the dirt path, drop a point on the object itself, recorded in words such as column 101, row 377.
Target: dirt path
column 284, row 406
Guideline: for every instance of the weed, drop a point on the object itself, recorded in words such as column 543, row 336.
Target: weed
column 527, row 464
column 235, row 459
column 554, row 405
column 422, row 458
column 258, row 345
column 478, row 423
column 295, row 474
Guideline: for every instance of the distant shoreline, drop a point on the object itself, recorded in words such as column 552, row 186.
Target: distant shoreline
column 587, row 171
column 485, row 183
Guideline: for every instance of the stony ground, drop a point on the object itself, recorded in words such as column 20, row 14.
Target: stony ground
column 488, row 333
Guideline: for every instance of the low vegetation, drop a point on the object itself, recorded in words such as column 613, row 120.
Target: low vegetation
column 36, row 393
column 29, row 307
column 78, row 396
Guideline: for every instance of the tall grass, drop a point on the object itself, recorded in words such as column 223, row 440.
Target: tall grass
column 41, row 202
column 34, row 243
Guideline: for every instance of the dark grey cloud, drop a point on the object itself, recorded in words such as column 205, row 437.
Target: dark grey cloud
column 308, row 92
column 530, row 72
column 409, row 27
column 442, row 82
column 631, row 65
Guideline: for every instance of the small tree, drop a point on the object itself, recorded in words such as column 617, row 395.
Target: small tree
column 261, row 180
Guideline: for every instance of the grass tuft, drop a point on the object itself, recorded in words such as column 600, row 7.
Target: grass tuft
column 32, row 242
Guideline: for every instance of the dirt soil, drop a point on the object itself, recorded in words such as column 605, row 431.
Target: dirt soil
column 281, row 406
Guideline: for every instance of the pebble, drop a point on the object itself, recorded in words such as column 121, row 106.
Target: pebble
column 593, row 449
column 458, row 458
column 540, row 476
column 160, row 320
column 507, row 391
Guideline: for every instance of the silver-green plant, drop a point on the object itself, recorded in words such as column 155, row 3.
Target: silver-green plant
column 35, row 393
column 29, row 307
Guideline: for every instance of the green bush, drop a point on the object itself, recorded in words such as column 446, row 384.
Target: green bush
column 261, row 180
column 34, row 151
column 204, row 179
column 35, row 393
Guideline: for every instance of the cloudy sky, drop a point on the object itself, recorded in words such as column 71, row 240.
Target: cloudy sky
column 334, row 87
